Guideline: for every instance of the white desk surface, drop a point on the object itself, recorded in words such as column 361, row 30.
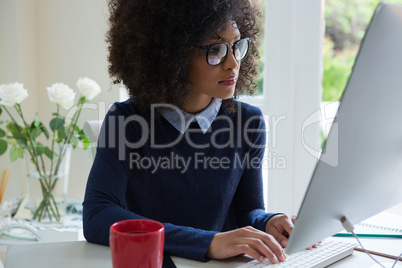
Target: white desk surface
column 83, row 254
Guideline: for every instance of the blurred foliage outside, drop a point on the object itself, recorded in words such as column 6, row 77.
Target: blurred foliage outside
column 346, row 22
column 260, row 69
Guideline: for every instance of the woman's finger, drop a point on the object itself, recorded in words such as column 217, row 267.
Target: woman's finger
column 282, row 239
column 263, row 242
column 246, row 249
column 273, row 245
column 268, row 247
column 246, row 240
column 288, row 225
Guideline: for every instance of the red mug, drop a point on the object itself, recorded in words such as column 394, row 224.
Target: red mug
column 137, row 243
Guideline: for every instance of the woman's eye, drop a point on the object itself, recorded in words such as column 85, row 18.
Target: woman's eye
column 214, row 50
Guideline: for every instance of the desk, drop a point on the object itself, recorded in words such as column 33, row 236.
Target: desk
column 84, row 254
column 71, row 231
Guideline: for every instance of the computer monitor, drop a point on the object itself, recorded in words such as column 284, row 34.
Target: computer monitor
column 366, row 139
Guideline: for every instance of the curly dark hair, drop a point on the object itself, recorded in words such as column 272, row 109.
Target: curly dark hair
column 150, row 44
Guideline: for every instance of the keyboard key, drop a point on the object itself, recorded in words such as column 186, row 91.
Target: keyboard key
column 327, row 252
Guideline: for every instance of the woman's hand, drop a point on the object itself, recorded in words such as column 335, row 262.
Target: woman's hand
column 280, row 226
column 246, row 240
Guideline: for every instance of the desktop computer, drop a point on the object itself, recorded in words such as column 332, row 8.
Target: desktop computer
column 367, row 142
column 368, row 139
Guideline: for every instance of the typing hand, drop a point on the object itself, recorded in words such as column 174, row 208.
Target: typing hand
column 280, row 227
column 246, row 240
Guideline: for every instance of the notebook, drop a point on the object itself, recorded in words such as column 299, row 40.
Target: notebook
column 384, row 223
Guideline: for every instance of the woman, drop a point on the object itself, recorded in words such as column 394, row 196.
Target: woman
column 182, row 150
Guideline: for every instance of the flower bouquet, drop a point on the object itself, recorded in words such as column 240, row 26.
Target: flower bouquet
column 45, row 148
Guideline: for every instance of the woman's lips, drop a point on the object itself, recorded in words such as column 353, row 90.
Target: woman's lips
column 229, row 81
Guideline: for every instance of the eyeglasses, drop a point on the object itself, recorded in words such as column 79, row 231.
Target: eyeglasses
column 217, row 53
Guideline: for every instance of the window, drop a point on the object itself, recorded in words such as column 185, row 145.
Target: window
column 346, row 22
column 293, row 33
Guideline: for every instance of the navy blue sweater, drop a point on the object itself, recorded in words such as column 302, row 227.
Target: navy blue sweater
column 195, row 184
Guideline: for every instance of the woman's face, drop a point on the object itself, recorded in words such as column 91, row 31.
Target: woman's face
column 214, row 81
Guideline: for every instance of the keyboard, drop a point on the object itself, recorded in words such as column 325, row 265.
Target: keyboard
column 326, row 253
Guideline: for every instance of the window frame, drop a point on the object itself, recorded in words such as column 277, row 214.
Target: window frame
column 292, row 88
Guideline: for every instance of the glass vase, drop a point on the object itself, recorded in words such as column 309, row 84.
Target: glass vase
column 47, row 181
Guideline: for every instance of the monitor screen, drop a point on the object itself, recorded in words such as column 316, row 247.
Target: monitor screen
column 365, row 140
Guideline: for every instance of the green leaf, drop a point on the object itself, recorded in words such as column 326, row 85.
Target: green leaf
column 1, row 110
column 20, row 152
column 37, row 121
column 44, row 130
column 74, row 142
column 53, row 126
column 15, row 131
column 86, row 142
column 22, row 143
column 61, row 135
column 39, row 149
column 13, row 128
column 80, row 137
column 3, row 146
column 49, row 153
column 35, row 133
column 2, row 133
column 12, row 141
column 14, row 153
column 20, row 136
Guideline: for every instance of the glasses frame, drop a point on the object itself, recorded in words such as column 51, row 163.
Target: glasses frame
column 206, row 48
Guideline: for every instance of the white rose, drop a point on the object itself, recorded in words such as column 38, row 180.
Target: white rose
column 61, row 94
column 13, row 93
column 88, row 88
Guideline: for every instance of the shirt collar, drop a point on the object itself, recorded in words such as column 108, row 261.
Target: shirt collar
column 181, row 120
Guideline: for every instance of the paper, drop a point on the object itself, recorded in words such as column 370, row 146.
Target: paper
column 382, row 223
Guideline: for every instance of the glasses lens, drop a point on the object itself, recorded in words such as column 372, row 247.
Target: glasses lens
column 241, row 49
column 217, row 54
